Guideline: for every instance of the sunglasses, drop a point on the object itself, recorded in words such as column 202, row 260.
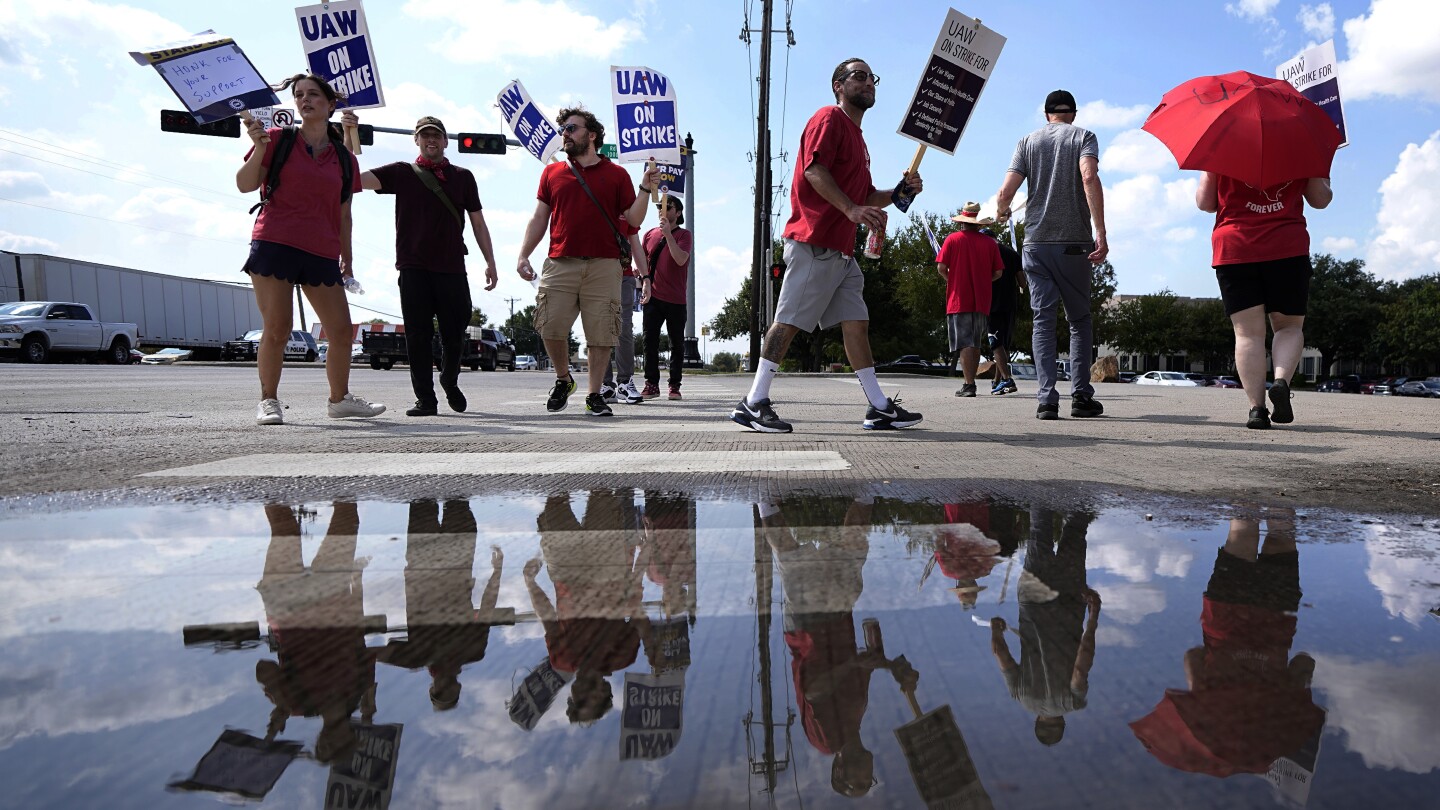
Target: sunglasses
column 861, row 75
column 569, row 128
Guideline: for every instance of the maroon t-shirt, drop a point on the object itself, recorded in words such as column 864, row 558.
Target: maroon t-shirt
column 427, row 235
column 577, row 227
column 835, row 142
column 305, row 212
column 1259, row 225
column 670, row 281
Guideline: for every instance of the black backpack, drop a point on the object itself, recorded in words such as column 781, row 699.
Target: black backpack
column 283, row 147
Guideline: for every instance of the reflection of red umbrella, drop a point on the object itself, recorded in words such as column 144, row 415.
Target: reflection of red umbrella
column 1259, row 131
column 1228, row 731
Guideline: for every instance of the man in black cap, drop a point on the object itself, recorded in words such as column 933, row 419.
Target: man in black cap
column 1062, row 164
column 430, row 195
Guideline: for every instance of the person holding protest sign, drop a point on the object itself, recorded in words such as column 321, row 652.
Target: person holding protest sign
column 1062, row 164
column 663, row 292
column 623, row 389
column 1262, row 261
column 303, row 226
column 830, row 197
column 430, row 195
column 969, row 262
column 581, row 199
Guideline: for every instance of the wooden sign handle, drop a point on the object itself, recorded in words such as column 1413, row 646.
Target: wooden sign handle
column 352, row 139
column 654, row 192
column 915, row 164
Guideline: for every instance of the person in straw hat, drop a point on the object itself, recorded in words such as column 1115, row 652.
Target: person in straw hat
column 969, row 262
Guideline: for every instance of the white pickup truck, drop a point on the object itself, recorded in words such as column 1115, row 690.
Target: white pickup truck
column 36, row 329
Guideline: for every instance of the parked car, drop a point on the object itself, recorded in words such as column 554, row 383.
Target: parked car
column 300, row 346
column 1349, row 384
column 1022, row 371
column 1165, row 378
column 526, row 362
column 493, row 347
column 1127, row 376
column 1387, row 386
column 166, row 357
column 909, row 362
column 1228, row 382
column 34, row 330
column 1200, row 379
column 1420, row 388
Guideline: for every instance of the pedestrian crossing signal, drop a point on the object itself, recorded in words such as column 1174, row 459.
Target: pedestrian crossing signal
column 183, row 122
column 777, row 271
column 480, row 143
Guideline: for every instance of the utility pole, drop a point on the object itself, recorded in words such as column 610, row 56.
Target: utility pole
column 512, row 301
column 693, row 358
column 761, row 250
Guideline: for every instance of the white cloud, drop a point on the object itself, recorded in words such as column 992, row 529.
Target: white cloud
column 1104, row 115
column 1252, row 9
column 1136, row 151
column 1409, row 241
column 171, row 210
column 1386, row 710
column 1318, row 21
column 1338, row 244
column 19, row 243
column 120, row 27
column 23, row 184
column 477, row 33
column 1406, row 575
column 1392, row 51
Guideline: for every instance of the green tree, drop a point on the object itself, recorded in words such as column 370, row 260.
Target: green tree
column 477, row 318
column 1208, row 334
column 1345, row 308
column 1409, row 332
column 1149, row 324
column 725, row 362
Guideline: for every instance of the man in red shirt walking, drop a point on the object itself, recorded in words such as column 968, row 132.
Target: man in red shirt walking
column 830, row 196
column 969, row 261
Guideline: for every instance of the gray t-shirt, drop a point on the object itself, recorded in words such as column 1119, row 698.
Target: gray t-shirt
column 1049, row 159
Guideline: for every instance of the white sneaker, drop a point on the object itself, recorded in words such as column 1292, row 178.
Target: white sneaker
column 629, row 394
column 270, row 412
column 352, row 405
column 607, row 392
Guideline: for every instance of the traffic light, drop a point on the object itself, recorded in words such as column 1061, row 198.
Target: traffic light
column 367, row 135
column 777, row 271
column 481, row 143
column 183, row 122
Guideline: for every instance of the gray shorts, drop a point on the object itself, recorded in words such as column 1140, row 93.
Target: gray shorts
column 822, row 287
column 967, row 330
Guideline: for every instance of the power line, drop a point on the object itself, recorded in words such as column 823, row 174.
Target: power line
column 123, row 222
column 74, row 155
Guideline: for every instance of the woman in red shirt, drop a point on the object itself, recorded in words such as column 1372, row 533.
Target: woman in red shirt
column 302, row 238
column 1262, row 261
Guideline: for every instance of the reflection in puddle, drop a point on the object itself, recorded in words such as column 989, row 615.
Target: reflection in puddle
column 622, row 647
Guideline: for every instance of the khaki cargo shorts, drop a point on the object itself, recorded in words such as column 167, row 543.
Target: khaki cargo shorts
column 579, row 287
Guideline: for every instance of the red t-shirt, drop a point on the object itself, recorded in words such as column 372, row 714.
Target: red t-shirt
column 577, row 228
column 305, row 213
column 835, row 142
column 827, row 652
column 972, row 259
column 670, row 281
column 1259, row 225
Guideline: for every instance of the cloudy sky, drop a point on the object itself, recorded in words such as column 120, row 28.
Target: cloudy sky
column 86, row 173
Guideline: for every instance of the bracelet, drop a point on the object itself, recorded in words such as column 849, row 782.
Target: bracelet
column 644, row 190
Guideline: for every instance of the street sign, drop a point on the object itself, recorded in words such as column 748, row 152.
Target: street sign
column 609, row 150
column 1313, row 73
column 959, row 66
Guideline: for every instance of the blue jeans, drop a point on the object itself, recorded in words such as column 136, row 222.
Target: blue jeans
column 1060, row 274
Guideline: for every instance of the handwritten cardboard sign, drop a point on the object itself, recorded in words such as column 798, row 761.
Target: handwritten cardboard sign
column 210, row 75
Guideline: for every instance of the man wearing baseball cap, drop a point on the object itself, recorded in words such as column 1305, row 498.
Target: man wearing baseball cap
column 969, row 262
column 430, row 251
column 1062, row 164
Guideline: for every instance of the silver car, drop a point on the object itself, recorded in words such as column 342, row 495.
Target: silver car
column 1165, row 378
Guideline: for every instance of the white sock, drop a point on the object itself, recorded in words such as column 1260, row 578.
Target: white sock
column 872, row 387
column 760, row 388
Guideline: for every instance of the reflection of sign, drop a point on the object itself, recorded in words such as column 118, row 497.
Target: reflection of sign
column 536, row 693
column 940, row 763
column 651, row 721
column 1292, row 775
column 242, row 765
column 645, row 125
column 669, row 644
column 958, row 69
column 368, row 778
column 532, row 129
column 1313, row 73
column 210, row 75
column 338, row 48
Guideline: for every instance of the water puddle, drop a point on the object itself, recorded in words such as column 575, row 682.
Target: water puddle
column 627, row 648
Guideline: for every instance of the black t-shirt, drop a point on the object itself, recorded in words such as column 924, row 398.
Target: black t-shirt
column 1003, row 290
column 427, row 235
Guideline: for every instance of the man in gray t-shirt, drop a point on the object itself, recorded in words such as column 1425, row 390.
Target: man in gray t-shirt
column 1061, row 163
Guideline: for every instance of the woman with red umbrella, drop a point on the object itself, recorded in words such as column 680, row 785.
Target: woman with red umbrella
column 1264, row 151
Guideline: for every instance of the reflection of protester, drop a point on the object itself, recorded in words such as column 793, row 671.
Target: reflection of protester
column 1246, row 702
column 668, row 555
column 969, row 262
column 664, row 292
column 302, row 238
column 1057, row 637
column 830, row 197
column 594, row 626
column 1004, row 303
column 444, row 632
column 316, row 617
column 430, row 255
column 1262, row 261
column 1062, row 164
column 622, row 388
column 966, row 549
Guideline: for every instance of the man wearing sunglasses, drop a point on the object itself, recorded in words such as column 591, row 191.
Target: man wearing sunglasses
column 582, row 200
column 830, row 197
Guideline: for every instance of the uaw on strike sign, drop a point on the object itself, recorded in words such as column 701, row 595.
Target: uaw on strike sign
column 645, row 119
column 339, row 49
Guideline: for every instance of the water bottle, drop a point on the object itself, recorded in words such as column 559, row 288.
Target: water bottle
column 352, row 286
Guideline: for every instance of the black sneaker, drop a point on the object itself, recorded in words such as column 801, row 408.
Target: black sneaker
column 966, row 390
column 1280, row 400
column 422, row 409
column 1259, row 419
column 456, row 398
column 1047, row 412
column 759, row 417
column 560, row 395
column 1084, row 406
column 892, row 416
column 1011, row 387
column 595, row 405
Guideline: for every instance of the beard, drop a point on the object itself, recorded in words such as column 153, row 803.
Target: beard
column 576, row 149
column 861, row 100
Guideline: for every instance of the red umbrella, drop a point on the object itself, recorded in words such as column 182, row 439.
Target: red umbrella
column 1257, row 130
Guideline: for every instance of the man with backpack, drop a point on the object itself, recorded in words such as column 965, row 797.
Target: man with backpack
column 430, row 251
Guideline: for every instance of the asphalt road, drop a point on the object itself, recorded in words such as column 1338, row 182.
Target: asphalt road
column 76, row 434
